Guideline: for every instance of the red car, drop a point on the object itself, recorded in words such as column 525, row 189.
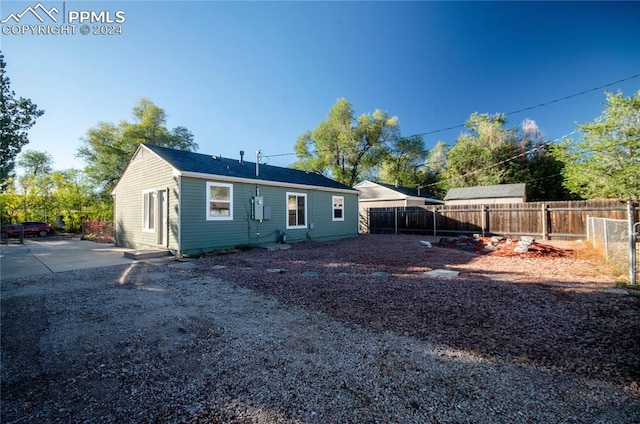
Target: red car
column 41, row 229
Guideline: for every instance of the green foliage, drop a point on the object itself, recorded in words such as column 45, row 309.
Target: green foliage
column 29, row 191
column 537, row 167
column 436, row 167
column 480, row 155
column 605, row 161
column 345, row 147
column 489, row 154
column 10, row 205
column 543, row 178
column 407, row 165
column 35, row 162
column 107, row 148
column 44, row 195
column 17, row 116
column 76, row 201
column 403, row 165
column 76, row 196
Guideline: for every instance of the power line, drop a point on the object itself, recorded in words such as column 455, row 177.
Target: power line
column 277, row 155
column 560, row 99
column 541, row 104
column 541, row 146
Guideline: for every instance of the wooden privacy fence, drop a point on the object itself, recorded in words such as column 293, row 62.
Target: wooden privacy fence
column 558, row 220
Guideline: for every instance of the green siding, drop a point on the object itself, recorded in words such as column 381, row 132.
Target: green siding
column 201, row 236
column 189, row 231
column 145, row 172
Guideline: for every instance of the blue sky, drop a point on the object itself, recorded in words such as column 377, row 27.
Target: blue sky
column 256, row 75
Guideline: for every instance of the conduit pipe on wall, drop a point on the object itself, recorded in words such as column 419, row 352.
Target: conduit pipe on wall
column 258, row 154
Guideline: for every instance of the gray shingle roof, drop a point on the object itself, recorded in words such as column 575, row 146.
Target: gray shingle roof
column 206, row 164
column 486, row 192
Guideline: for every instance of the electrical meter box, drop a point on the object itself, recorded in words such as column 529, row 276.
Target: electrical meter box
column 258, row 208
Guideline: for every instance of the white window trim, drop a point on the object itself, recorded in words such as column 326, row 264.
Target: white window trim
column 208, row 203
column 145, row 223
column 334, row 208
column 292, row 227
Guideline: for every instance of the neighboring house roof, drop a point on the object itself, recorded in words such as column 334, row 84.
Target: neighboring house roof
column 486, row 192
column 202, row 164
column 370, row 191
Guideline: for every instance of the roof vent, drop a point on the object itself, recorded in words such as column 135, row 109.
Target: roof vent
column 241, row 157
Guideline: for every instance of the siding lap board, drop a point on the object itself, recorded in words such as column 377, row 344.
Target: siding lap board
column 144, row 172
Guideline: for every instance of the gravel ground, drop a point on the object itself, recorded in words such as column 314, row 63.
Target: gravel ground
column 345, row 331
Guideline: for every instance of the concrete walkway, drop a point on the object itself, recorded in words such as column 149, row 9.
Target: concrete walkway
column 39, row 257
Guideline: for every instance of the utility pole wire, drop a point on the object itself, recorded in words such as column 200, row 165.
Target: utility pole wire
column 570, row 96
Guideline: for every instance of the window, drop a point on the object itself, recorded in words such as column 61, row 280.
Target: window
column 219, row 202
column 148, row 210
column 296, row 210
column 338, row 208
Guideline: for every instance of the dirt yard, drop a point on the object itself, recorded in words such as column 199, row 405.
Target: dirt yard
column 344, row 331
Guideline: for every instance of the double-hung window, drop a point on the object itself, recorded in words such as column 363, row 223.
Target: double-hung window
column 338, row 208
column 296, row 210
column 148, row 210
column 219, row 201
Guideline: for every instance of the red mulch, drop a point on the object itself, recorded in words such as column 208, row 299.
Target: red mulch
column 504, row 247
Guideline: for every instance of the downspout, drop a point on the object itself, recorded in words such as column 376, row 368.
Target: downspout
column 167, row 219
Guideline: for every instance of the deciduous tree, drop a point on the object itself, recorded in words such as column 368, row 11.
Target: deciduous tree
column 17, row 116
column 75, row 199
column 538, row 169
column 36, row 183
column 345, row 147
column 436, row 167
column 480, row 155
column 36, row 162
column 107, row 147
column 490, row 153
column 605, row 161
column 404, row 163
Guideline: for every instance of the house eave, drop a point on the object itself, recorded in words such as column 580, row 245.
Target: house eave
column 404, row 199
column 382, row 199
column 204, row 176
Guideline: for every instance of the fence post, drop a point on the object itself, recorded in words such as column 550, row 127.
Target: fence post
column 632, row 244
column 396, row 218
column 544, row 221
column 483, row 219
column 606, row 239
column 435, row 232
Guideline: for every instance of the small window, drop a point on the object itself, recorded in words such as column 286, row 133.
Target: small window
column 219, row 201
column 296, row 210
column 338, row 208
column 148, row 210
